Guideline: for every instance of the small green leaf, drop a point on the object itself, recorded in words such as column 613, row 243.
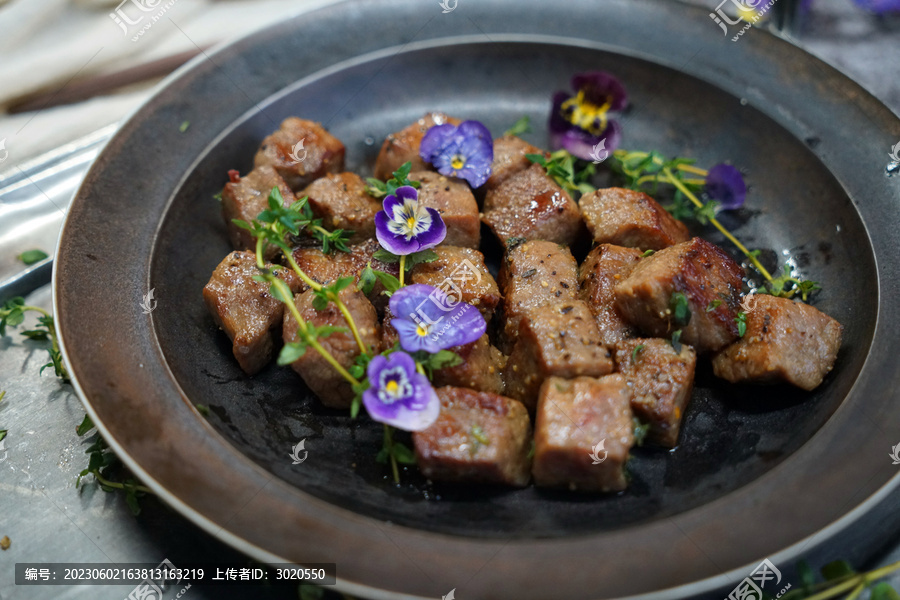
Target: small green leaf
column 2, row 434
column 391, row 284
column 403, row 455
column 86, row 425
column 280, row 290
column 647, row 253
column 184, row 126
column 741, row 320
column 713, row 305
column 635, row 352
column 132, row 501
column 444, row 358
column 218, row 196
column 202, row 409
column 837, row 570
column 807, row 576
column 520, row 127
column 514, row 242
column 417, row 258
column 354, row 406
column 367, row 280
column 385, row 256
column 320, row 302
column 29, row 257
column 376, row 188
column 479, row 436
column 884, row 591
column 290, row 353
column 681, row 312
column 308, row 591
column 641, row 430
column 36, row 334
column 676, row 341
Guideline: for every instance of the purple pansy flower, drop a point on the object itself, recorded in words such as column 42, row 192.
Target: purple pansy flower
column 725, row 184
column 427, row 318
column 879, row 7
column 405, row 226
column 580, row 123
column 465, row 151
column 398, row 395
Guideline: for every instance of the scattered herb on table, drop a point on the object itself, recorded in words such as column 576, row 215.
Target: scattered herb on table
column 29, row 257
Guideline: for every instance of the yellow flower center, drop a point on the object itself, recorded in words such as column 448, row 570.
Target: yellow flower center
column 583, row 114
column 391, row 387
column 411, row 222
column 458, row 162
column 422, row 330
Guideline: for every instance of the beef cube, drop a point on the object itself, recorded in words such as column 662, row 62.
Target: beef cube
column 333, row 390
column 479, row 437
column 701, row 271
column 403, row 146
column 462, row 274
column 245, row 310
column 327, row 268
column 559, row 339
column 530, row 205
column 785, row 341
column 661, row 381
column 341, row 201
column 509, row 158
column 482, row 370
column 598, row 275
column 301, row 151
column 245, row 197
column 630, row 218
column 533, row 274
column 576, row 420
column 453, row 199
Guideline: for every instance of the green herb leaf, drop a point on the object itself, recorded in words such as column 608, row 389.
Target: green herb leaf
column 391, row 284
column 741, row 320
column 713, row 305
column 202, row 409
column 838, row 569
column 884, row 591
column 514, row 242
column 367, row 280
column 807, row 576
column 29, row 257
column 681, row 311
column 675, row 340
column 403, row 455
column 417, row 258
column 307, row 591
column 218, row 196
column 641, row 430
column 385, row 256
column 635, row 352
column 2, row 434
column 184, row 126
column 647, row 253
column 376, row 189
column 520, row 127
column 86, row 425
column 561, row 168
column 290, row 353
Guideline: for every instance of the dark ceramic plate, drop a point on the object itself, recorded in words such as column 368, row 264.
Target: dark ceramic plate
column 759, row 472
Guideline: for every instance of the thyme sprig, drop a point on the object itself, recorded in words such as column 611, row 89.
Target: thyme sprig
column 12, row 314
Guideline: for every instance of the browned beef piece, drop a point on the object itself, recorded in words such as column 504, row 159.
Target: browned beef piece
column 598, row 275
column 333, row 390
column 630, row 218
column 403, row 146
column 533, row 274
column 326, row 268
column 530, row 205
column 482, row 370
column 389, row 335
column 462, row 274
column 578, row 418
column 342, row 202
column 559, row 339
column 785, row 341
column 509, row 158
column 661, row 381
column 478, row 438
column 244, row 309
column 320, row 153
column 454, row 200
column 704, row 273
column 245, row 197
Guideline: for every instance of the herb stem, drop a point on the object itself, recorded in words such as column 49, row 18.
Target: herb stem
column 690, row 195
column 300, row 273
column 119, row 486
column 389, row 444
column 402, row 268
column 856, row 583
column 54, row 340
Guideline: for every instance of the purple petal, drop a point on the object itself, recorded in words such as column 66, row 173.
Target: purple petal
column 426, row 302
column 725, row 184
column 413, row 412
column 407, row 192
column 435, row 139
column 558, row 124
column 396, row 244
column 450, row 321
column 879, row 7
column 410, row 340
column 462, row 325
column 580, row 143
column 435, row 234
column 475, row 129
column 600, row 87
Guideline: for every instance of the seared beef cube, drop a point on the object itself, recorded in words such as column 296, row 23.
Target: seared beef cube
column 509, row 158
column 533, row 274
column 785, row 341
column 577, row 419
column 530, row 205
column 709, row 279
column 598, row 275
column 327, row 268
column 403, row 146
column 482, row 369
column 245, row 197
column 333, row 390
column 630, row 218
column 661, row 381
column 559, row 339
column 478, row 438
column 244, row 309
column 301, row 151
column 389, row 335
column 454, row 200
column 462, row 274
column 341, row 201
